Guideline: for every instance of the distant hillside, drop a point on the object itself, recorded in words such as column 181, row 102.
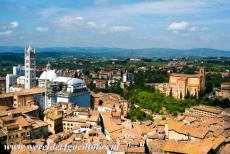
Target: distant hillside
column 150, row 52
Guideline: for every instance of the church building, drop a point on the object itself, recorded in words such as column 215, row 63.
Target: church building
column 181, row 86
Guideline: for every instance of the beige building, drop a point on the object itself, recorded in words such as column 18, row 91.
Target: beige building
column 223, row 92
column 80, row 119
column 54, row 120
column 2, row 85
column 179, row 131
column 108, row 102
column 54, row 116
column 101, row 84
column 23, row 97
column 67, row 116
column 181, row 86
column 16, row 127
column 204, row 110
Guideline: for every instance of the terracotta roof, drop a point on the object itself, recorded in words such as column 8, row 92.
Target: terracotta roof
column 181, row 128
column 208, row 109
column 12, row 125
column 6, row 95
column 116, row 114
column 26, row 109
column 74, row 119
column 54, row 116
column 6, row 118
column 22, row 121
column 30, row 91
column 84, row 113
column 3, row 108
column 93, row 117
column 185, row 75
column 136, row 150
column 196, row 147
column 24, row 92
column 37, row 123
column 110, row 126
column 2, row 78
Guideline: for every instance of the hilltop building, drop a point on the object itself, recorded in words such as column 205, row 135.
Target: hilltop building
column 181, row 86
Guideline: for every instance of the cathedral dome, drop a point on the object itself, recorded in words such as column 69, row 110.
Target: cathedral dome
column 48, row 75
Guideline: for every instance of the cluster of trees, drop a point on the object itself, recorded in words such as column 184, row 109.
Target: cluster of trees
column 214, row 80
column 145, row 97
column 151, row 77
column 8, row 60
column 136, row 113
column 113, row 89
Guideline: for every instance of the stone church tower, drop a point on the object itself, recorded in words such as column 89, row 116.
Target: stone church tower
column 202, row 79
column 30, row 68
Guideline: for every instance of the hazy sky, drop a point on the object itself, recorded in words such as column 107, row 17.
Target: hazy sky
column 116, row 23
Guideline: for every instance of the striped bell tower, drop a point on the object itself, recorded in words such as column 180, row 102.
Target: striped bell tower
column 30, row 68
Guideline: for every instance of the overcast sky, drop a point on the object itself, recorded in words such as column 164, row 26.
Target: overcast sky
column 116, row 23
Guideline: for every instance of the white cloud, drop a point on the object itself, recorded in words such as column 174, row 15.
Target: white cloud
column 21, row 37
column 165, row 7
column 49, row 12
column 98, row 2
column 91, row 24
column 205, row 28
column 42, row 29
column 178, row 26
column 13, row 24
column 7, row 32
column 69, row 21
column 120, row 28
column 193, row 28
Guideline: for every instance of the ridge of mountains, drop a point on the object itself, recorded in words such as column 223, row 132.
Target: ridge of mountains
column 120, row 52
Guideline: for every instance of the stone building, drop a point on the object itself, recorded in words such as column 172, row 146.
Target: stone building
column 223, row 92
column 204, row 110
column 2, row 85
column 185, row 85
column 54, row 120
column 23, row 97
column 16, row 126
column 108, row 102
column 64, row 116
column 181, row 86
